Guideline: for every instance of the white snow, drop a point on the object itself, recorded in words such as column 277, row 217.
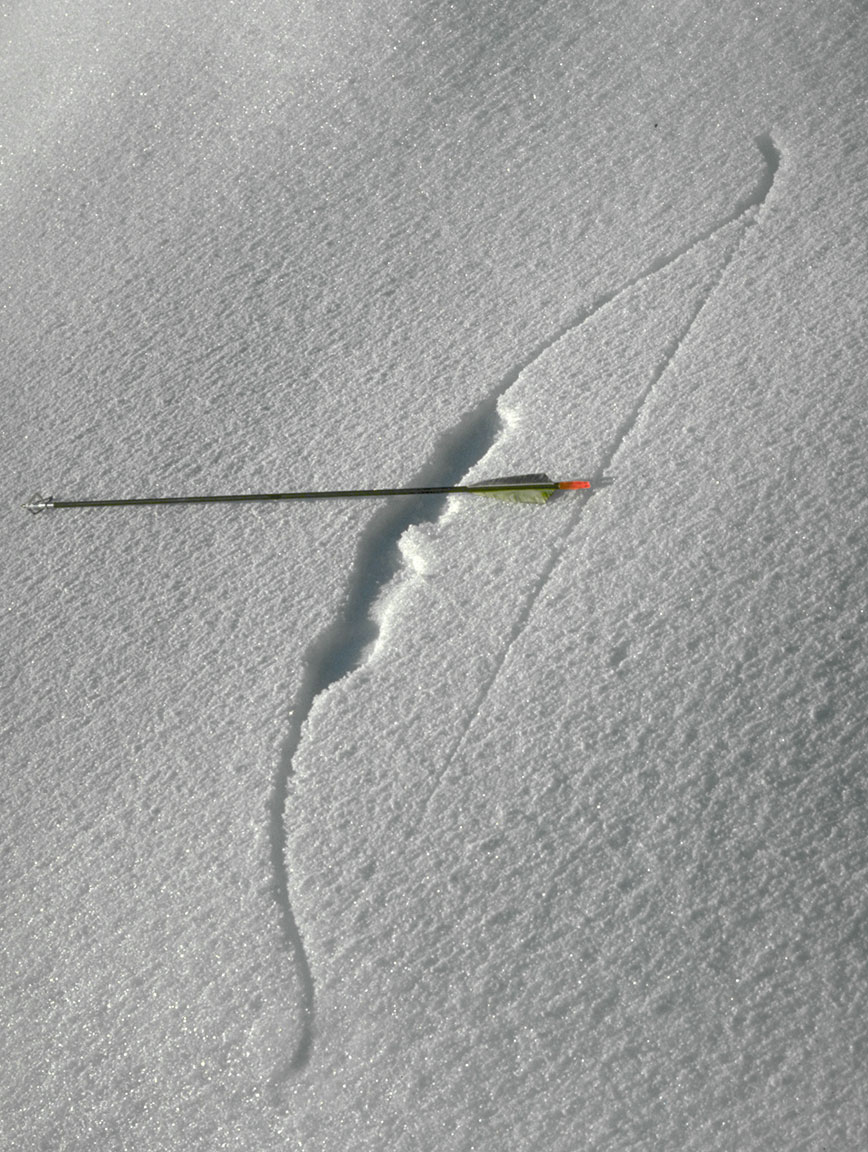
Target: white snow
column 435, row 824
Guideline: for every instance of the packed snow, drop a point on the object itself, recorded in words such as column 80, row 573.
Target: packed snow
column 435, row 823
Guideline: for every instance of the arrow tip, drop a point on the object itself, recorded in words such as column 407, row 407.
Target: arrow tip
column 38, row 503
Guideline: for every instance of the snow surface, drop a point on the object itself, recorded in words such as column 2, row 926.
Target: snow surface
column 435, row 824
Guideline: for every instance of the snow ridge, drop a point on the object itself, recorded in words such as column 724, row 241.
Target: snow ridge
column 342, row 647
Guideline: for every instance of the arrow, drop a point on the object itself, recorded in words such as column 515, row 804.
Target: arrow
column 534, row 489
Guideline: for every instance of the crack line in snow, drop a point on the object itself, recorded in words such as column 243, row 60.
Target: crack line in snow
column 341, row 648
column 750, row 213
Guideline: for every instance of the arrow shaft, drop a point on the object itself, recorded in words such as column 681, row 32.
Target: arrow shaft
column 264, row 497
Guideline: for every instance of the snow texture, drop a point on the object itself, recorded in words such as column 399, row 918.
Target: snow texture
column 425, row 823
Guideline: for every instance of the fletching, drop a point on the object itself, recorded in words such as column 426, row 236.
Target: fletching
column 524, row 495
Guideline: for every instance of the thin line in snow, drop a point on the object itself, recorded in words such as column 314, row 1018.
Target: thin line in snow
column 752, row 204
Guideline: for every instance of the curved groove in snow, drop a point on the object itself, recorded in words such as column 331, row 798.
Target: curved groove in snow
column 341, row 648
column 749, row 212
